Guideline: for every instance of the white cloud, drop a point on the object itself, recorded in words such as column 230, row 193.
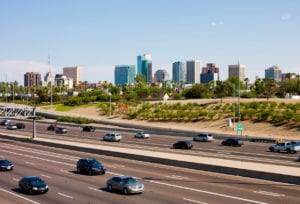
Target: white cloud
column 286, row 17
column 214, row 24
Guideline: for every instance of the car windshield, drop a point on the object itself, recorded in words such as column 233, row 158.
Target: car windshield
column 35, row 181
column 4, row 162
column 129, row 180
column 93, row 161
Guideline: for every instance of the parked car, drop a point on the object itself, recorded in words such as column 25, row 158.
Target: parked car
column 183, row 145
column 61, row 130
column 90, row 166
column 142, row 135
column 32, row 185
column 12, row 127
column 203, row 137
column 88, row 129
column 20, row 125
column 125, row 184
column 6, row 165
column 289, row 147
column 233, row 142
column 53, row 127
column 5, row 122
column 113, row 137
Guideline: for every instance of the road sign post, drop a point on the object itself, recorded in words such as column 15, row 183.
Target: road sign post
column 239, row 128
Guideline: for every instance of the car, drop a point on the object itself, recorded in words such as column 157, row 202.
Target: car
column 53, row 127
column 32, row 185
column 90, row 166
column 20, row 125
column 88, row 129
column 183, row 145
column 203, row 137
column 61, row 130
column 112, row 137
column 142, row 135
column 6, row 165
column 125, row 184
column 12, row 127
column 5, row 122
column 233, row 142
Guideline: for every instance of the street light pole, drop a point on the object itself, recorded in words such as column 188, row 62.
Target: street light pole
column 109, row 103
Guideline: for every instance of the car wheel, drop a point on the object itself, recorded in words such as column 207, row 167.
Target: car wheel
column 109, row 188
column 90, row 172
column 30, row 191
column 78, row 171
column 289, row 151
column 272, row 149
column 125, row 191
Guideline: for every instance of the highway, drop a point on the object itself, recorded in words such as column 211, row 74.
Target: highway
column 163, row 184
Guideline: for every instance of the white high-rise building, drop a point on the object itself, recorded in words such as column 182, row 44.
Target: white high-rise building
column 193, row 71
column 74, row 73
column 237, row 70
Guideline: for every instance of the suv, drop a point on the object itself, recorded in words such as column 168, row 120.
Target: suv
column 183, row 145
column 90, row 166
column 233, row 142
column 204, row 137
column 113, row 137
column 88, row 129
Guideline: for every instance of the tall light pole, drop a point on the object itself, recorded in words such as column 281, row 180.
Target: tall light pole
column 109, row 102
column 239, row 95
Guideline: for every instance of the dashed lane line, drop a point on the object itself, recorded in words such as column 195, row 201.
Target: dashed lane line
column 14, row 194
column 194, row 201
column 65, row 195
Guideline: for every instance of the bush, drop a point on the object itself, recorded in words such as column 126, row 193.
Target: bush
column 77, row 120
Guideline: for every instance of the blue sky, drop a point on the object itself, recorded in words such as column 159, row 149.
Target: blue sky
column 98, row 34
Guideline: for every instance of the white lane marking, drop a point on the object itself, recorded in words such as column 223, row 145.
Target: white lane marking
column 15, row 179
column 65, row 171
column 31, row 201
column 115, row 166
column 45, row 176
column 30, row 163
column 94, row 189
column 177, row 177
column 194, row 201
column 269, row 193
column 206, row 192
column 65, row 195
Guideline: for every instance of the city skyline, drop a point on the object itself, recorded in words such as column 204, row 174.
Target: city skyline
column 98, row 35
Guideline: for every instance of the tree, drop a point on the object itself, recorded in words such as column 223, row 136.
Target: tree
column 222, row 89
column 270, row 87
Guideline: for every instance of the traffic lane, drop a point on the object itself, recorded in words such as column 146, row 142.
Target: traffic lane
column 179, row 179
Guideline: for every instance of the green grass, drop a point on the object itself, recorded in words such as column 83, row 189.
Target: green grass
column 63, row 108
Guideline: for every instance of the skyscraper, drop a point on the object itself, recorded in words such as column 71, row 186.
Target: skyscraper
column 273, row 72
column 193, row 71
column 161, row 75
column 179, row 72
column 74, row 73
column 237, row 70
column 124, row 74
column 144, row 66
column 209, row 73
column 32, row 79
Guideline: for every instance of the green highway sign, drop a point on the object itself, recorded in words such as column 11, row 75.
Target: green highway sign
column 239, row 127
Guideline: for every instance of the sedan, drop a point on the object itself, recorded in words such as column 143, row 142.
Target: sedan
column 61, row 130
column 233, row 142
column 90, row 166
column 126, row 184
column 203, row 138
column 183, row 145
column 12, row 127
column 52, row 127
column 142, row 135
column 32, row 185
column 6, row 165
column 5, row 122
column 88, row 129
column 20, row 125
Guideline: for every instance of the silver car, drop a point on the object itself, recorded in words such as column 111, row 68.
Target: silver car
column 12, row 127
column 206, row 137
column 126, row 184
column 112, row 137
column 142, row 135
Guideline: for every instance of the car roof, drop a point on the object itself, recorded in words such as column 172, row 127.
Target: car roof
column 122, row 176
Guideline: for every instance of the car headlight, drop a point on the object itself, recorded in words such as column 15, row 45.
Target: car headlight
column 34, row 188
column 46, row 186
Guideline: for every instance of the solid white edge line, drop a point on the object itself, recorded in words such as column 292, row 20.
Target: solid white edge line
column 1, row 189
column 194, row 201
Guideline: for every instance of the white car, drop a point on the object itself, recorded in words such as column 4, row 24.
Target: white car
column 206, row 137
column 113, row 137
column 142, row 135
column 12, row 127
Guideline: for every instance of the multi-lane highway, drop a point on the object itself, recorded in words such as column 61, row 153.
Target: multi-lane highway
column 163, row 184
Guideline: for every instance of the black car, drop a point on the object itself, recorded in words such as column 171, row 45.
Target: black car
column 61, row 130
column 32, row 185
column 88, row 129
column 5, row 122
column 20, row 125
column 6, row 165
column 233, row 142
column 183, row 145
column 90, row 166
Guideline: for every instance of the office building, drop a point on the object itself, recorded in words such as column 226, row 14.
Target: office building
column 209, row 73
column 273, row 72
column 74, row 73
column 32, row 79
column 144, row 66
column 161, row 75
column 179, row 72
column 193, row 71
column 48, row 79
column 61, row 80
column 124, row 74
column 237, row 70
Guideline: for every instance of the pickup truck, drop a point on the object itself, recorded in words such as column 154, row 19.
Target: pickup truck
column 289, row 147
